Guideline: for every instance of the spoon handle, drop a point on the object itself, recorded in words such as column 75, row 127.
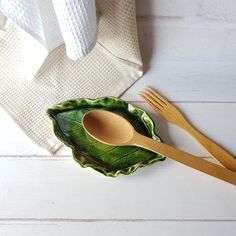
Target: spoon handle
column 217, row 152
column 185, row 158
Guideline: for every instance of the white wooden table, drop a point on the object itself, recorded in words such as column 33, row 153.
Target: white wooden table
column 191, row 59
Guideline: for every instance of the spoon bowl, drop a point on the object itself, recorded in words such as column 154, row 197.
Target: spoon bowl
column 108, row 127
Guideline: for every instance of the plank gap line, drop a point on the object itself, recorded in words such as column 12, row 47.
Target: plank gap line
column 71, row 220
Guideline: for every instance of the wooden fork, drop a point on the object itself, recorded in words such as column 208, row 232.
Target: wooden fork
column 172, row 115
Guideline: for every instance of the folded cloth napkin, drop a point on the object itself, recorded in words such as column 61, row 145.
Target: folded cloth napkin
column 112, row 66
column 46, row 24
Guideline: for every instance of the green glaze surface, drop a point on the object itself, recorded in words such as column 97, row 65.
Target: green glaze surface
column 87, row 151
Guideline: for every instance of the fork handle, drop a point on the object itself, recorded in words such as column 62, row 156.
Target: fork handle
column 213, row 149
column 185, row 158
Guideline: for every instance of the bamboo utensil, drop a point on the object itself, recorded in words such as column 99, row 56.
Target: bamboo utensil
column 113, row 129
column 171, row 114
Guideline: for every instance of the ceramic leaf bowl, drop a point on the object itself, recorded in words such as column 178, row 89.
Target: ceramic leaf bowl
column 87, row 151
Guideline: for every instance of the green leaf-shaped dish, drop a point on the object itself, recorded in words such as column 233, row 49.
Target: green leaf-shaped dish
column 88, row 152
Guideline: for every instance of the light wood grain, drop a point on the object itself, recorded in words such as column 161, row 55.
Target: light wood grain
column 189, row 82
column 62, row 189
column 117, row 228
column 188, row 61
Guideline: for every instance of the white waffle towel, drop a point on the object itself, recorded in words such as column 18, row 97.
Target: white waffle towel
column 46, row 24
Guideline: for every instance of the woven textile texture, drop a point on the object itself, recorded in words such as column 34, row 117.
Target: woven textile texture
column 113, row 65
column 47, row 24
column 2, row 21
column 52, row 22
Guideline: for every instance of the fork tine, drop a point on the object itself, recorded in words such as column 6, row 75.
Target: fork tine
column 156, row 96
column 156, row 106
column 152, row 99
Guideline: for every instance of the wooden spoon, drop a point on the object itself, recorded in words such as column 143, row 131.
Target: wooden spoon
column 112, row 129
